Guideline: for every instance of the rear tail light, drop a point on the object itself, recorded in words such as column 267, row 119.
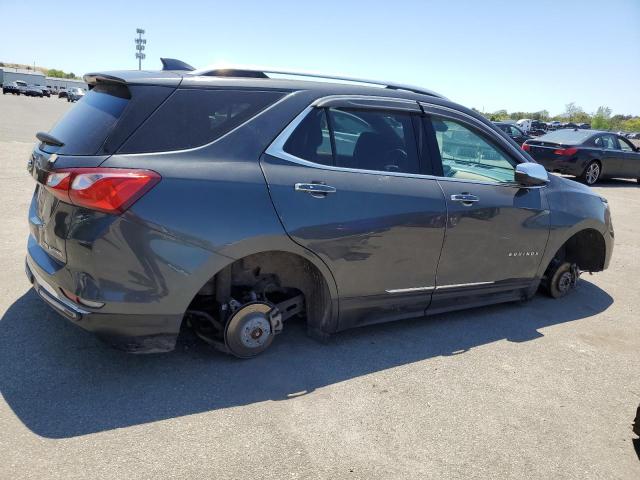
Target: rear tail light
column 526, row 147
column 110, row 190
column 566, row 152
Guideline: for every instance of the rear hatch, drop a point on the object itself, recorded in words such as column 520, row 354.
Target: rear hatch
column 86, row 136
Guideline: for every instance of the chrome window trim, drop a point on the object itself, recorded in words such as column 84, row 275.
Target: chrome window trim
column 276, row 149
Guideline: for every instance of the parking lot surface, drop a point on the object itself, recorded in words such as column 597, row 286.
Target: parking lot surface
column 544, row 389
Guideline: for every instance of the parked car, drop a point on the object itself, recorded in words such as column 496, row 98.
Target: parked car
column 524, row 124
column 45, row 91
column 33, row 91
column 74, row 94
column 587, row 154
column 554, row 125
column 222, row 200
column 513, row 131
column 584, row 126
column 10, row 88
column 22, row 86
column 62, row 93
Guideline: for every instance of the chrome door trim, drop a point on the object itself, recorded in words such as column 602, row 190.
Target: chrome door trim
column 459, row 285
column 437, row 287
column 409, row 290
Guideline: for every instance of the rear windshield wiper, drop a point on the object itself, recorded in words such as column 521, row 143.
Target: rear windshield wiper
column 49, row 139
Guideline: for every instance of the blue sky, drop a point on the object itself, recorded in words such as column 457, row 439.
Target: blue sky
column 519, row 54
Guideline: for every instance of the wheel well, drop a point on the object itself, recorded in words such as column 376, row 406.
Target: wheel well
column 586, row 249
column 278, row 273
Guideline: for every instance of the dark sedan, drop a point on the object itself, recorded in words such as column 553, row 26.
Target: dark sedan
column 587, row 154
column 513, row 131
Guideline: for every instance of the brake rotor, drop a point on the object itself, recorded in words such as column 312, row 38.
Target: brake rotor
column 249, row 330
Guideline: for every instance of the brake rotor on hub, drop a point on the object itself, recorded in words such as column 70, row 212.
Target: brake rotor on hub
column 249, row 330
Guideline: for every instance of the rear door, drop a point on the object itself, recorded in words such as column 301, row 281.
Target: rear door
column 349, row 182
column 496, row 230
column 631, row 159
column 612, row 157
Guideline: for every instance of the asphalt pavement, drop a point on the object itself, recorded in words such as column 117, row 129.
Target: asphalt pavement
column 536, row 390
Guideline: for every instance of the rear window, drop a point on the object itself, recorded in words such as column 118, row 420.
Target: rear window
column 192, row 118
column 85, row 127
column 566, row 136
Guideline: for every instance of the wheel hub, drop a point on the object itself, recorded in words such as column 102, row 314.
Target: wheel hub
column 565, row 282
column 593, row 172
column 255, row 330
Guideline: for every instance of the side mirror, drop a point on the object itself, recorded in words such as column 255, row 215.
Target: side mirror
column 531, row 174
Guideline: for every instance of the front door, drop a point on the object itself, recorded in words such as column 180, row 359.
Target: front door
column 496, row 230
column 349, row 185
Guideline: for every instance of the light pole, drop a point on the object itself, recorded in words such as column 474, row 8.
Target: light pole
column 140, row 46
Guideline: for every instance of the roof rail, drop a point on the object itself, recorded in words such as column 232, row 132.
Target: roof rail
column 259, row 72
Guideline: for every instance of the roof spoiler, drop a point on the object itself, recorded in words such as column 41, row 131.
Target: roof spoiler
column 174, row 64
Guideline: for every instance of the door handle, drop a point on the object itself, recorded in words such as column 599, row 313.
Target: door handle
column 465, row 198
column 318, row 190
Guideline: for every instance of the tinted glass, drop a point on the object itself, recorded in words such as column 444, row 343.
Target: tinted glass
column 467, row 155
column 374, row 140
column 566, row 136
column 624, row 145
column 192, row 118
column 515, row 132
column 85, row 127
column 310, row 140
column 608, row 141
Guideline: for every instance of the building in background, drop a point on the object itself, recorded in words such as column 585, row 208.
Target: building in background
column 9, row 74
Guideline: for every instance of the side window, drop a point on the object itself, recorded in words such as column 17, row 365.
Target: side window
column 624, row 146
column 467, row 155
column 194, row 117
column 310, row 140
column 515, row 132
column 598, row 142
column 374, row 140
column 609, row 141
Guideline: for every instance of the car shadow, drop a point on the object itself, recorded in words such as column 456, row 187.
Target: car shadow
column 617, row 183
column 608, row 182
column 61, row 381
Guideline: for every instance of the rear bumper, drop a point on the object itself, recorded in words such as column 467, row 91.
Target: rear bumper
column 566, row 167
column 134, row 333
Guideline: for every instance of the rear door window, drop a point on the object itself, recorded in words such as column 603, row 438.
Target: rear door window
column 361, row 139
column 194, row 117
column 374, row 140
column 85, row 127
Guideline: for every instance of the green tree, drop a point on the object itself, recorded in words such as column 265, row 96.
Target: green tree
column 631, row 125
column 602, row 119
column 571, row 110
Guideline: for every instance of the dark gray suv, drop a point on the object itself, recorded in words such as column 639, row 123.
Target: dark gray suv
column 230, row 200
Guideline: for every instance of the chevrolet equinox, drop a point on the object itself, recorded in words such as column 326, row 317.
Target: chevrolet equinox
column 230, row 200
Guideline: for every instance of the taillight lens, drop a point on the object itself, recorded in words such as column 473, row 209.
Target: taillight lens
column 110, row 190
column 526, row 147
column 566, row 152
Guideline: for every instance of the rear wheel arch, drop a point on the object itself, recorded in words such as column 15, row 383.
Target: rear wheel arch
column 290, row 271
